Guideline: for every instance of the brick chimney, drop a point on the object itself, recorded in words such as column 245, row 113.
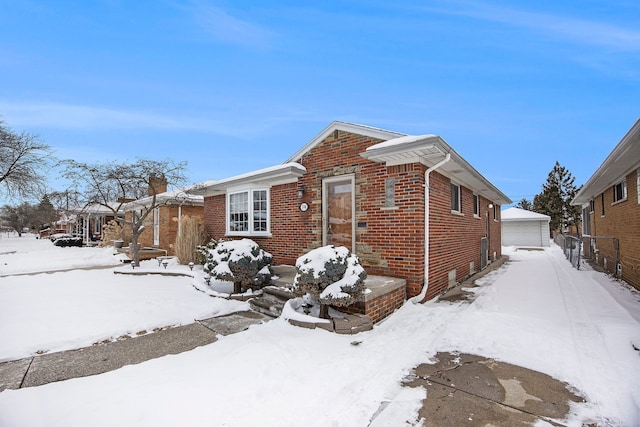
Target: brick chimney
column 157, row 184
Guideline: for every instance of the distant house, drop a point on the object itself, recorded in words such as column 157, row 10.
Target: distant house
column 88, row 221
column 163, row 224
column 409, row 206
column 524, row 228
column 610, row 202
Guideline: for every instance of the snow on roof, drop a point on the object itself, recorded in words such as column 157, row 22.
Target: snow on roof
column 356, row 128
column 174, row 197
column 401, row 140
column 286, row 172
column 517, row 214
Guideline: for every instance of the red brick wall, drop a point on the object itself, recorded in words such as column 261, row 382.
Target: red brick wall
column 620, row 220
column 380, row 307
column 168, row 222
column 388, row 241
column 455, row 238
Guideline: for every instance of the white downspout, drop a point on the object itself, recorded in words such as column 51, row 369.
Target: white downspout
column 418, row 298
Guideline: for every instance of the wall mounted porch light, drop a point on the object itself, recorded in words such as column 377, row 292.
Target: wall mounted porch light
column 301, row 191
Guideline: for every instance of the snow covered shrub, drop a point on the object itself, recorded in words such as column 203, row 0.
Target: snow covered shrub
column 202, row 252
column 191, row 234
column 242, row 262
column 68, row 241
column 331, row 274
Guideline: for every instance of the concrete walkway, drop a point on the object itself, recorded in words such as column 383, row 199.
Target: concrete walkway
column 105, row 357
column 469, row 390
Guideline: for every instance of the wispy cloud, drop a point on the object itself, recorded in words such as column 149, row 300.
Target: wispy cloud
column 229, row 29
column 54, row 115
column 582, row 31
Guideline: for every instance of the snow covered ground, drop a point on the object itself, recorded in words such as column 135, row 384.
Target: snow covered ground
column 536, row 311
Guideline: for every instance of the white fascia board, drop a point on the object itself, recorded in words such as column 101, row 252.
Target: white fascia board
column 268, row 177
column 622, row 160
column 428, row 150
column 369, row 131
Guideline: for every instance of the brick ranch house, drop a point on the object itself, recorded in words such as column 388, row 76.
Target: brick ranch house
column 610, row 202
column 163, row 224
column 364, row 188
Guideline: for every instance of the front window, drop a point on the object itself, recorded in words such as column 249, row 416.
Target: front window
column 455, row 197
column 620, row 191
column 248, row 212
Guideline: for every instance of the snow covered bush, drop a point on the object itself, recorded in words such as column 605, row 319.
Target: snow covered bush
column 202, row 252
column 242, row 262
column 65, row 242
column 333, row 275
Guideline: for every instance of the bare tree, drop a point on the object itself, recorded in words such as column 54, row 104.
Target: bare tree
column 24, row 162
column 132, row 186
column 19, row 217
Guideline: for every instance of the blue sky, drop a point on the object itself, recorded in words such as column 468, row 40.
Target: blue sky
column 234, row 86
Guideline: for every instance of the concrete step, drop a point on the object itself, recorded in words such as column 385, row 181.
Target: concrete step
column 271, row 302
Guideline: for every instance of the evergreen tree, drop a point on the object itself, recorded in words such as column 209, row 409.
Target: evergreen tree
column 555, row 199
column 45, row 212
column 525, row 204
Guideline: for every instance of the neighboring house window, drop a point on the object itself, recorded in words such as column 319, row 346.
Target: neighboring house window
column 638, row 186
column 620, row 191
column 496, row 209
column 476, row 205
column 455, row 197
column 248, row 212
column 586, row 219
column 602, row 200
column 592, row 206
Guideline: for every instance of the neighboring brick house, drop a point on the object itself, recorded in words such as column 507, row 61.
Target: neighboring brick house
column 610, row 202
column 364, row 188
column 162, row 225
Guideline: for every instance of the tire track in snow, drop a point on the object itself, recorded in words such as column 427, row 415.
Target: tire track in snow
column 588, row 340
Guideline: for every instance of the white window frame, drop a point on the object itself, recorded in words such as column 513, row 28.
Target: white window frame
column 623, row 188
column 250, row 213
column 459, row 201
column 638, row 184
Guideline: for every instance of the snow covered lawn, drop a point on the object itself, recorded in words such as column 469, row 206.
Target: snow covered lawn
column 72, row 309
column 536, row 311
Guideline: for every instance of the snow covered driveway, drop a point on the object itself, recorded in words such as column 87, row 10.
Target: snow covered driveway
column 536, row 311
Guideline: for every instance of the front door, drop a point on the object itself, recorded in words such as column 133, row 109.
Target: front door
column 338, row 213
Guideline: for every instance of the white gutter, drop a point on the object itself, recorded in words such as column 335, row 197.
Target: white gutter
column 418, row 298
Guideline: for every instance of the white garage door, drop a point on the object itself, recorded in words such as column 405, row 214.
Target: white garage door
column 525, row 233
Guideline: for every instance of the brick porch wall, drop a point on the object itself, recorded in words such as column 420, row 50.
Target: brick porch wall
column 380, row 307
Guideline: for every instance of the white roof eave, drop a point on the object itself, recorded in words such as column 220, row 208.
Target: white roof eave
column 429, row 150
column 622, row 160
column 275, row 175
column 369, row 131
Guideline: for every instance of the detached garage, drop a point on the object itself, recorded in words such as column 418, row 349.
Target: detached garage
column 524, row 228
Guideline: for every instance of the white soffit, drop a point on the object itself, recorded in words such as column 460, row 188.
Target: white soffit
column 275, row 175
column 624, row 159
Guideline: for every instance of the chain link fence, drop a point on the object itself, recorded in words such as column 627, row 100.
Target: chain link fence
column 603, row 251
column 571, row 246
